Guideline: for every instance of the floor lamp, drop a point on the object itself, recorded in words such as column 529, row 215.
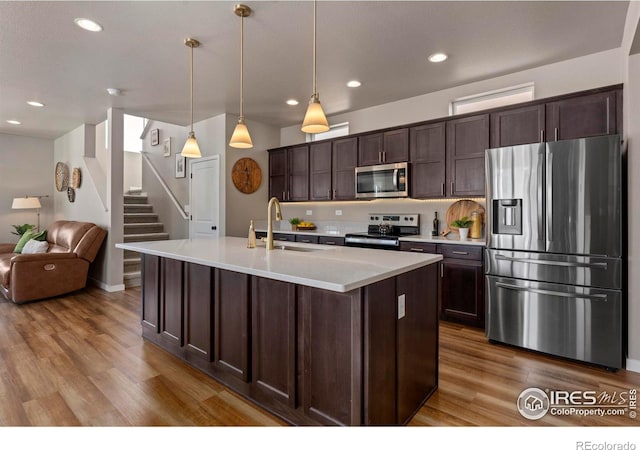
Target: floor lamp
column 28, row 202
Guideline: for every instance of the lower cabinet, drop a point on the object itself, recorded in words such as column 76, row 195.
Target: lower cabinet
column 311, row 356
column 462, row 276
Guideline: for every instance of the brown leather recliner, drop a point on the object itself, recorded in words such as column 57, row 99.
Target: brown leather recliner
column 62, row 269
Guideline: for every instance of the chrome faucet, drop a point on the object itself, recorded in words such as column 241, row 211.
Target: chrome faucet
column 273, row 201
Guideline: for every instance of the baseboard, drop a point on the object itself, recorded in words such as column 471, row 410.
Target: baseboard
column 107, row 287
column 633, row 365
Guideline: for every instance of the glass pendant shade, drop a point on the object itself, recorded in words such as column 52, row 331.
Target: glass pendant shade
column 191, row 148
column 240, row 137
column 314, row 120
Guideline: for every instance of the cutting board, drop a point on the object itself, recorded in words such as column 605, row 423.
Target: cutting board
column 458, row 210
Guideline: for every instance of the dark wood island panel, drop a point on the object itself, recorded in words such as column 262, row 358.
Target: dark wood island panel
column 308, row 355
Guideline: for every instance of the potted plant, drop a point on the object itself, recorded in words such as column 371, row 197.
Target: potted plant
column 462, row 225
column 294, row 221
column 22, row 229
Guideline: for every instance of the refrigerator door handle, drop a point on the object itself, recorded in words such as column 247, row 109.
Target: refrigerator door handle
column 552, row 293
column 540, row 195
column 602, row 266
column 549, row 196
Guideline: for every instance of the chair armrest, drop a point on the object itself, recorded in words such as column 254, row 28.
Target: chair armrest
column 43, row 257
column 7, row 248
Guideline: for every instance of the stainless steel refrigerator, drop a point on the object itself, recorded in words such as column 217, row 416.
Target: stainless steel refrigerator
column 554, row 248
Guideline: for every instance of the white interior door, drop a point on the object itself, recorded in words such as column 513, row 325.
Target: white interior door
column 204, row 189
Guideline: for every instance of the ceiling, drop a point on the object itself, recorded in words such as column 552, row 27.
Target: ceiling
column 44, row 56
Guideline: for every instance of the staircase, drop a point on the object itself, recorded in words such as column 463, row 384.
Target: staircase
column 140, row 224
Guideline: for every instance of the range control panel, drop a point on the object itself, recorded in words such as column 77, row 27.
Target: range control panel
column 404, row 220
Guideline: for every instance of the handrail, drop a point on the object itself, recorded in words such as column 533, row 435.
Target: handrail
column 165, row 186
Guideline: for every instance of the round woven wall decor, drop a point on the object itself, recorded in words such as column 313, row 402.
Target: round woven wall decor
column 76, row 178
column 62, row 176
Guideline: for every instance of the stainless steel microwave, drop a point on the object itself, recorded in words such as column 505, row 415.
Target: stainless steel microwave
column 383, row 181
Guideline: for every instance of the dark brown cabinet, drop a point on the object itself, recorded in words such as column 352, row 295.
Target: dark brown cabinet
column 150, row 294
column 330, row 240
column 332, row 169
column 418, row 247
column 583, row 116
column 427, row 154
column 284, row 237
column 172, row 302
column 517, row 126
column 199, row 290
column 273, row 348
column 307, row 239
column 467, row 140
column 383, row 148
column 289, row 173
column 344, row 161
column 231, row 315
column 462, row 278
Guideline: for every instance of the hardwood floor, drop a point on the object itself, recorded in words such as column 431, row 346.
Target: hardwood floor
column 80, row 360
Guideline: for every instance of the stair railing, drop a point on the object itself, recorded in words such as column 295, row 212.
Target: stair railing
column 165, row 187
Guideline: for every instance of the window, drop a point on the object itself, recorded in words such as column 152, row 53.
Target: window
column 492, row 99
column 337, row 130
column 133, row 127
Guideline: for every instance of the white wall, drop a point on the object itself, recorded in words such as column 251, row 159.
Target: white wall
column 26, row 168
column 88, row 206
column 591, row 71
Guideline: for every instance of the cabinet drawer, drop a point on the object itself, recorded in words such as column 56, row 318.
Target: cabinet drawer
column 461, row 251
column 306, row 239
column 284, row 237
column 419, row 247
column 330, row 240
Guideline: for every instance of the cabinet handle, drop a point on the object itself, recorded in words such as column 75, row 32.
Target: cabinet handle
column 284, row 195
column 555, row 133
column 455, row 252
column 329, row 243
column 306, row 241
column 379, row 157
column 607, row 115
column 384, row 156
column 443, row 192
column 441, row 270
column 452, row 183
column 416, row 249
column 541, row 135
column 334, row 194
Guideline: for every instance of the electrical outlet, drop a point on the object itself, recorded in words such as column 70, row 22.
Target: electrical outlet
column 187, row 208
column 309, row 212
column 401, row 306
column 338, row 212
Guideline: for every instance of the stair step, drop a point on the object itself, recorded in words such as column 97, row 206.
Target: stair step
column 143, row 228
column 134, row 199
column 132, row 279
column 138, row 208
column 132, row 264
column 143, row 237
column 140, row 218
column 129, row 254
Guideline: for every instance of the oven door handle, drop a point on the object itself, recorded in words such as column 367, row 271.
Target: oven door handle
column 552, row 293
column 395, row 179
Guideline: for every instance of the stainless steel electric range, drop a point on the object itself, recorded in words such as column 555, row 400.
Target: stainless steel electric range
column 384, row 231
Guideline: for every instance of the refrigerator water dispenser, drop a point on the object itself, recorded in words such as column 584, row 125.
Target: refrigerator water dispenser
column 507, row 216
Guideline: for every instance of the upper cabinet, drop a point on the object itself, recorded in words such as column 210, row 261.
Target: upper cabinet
column 383, row 148
column 427, row 150
column 320, row 184
column 584, row 116
column 467, row 139
column 517, row 126
column 289, row 173
column 332, row 169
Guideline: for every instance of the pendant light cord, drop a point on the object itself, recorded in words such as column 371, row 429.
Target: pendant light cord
column 241, row 65
column 315, row 6
column 192, row 88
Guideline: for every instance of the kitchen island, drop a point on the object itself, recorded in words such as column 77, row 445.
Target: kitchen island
column 314, row 334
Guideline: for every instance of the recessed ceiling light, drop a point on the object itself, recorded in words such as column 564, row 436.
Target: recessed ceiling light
column 438, row 57
column 35, row 103
column 354, row 83
column 114, row 91
column 14, row 122
column 292, row 102
column 88, row 24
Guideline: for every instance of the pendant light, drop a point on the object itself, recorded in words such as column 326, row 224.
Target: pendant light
column 191, row 148
column 240, row 137
column 314, row 120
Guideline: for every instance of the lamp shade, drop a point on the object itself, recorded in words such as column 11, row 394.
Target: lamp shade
column 240, row 137
column 314, row 120
column 26, row 203
column 191, row 148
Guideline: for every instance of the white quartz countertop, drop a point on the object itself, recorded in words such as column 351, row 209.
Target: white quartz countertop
column 335, row 268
